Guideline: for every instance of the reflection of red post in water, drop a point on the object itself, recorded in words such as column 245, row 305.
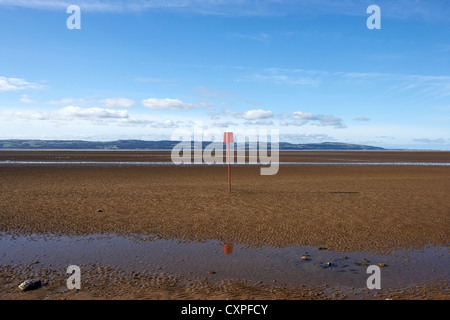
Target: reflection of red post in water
column 228, row 138
column 228, row 248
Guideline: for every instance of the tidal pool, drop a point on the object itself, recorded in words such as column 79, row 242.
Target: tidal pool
column 292, row 266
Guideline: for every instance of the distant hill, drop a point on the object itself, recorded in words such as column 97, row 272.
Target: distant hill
column 326, row 146
column 159, row 145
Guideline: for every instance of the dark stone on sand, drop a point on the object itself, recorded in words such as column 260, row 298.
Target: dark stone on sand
column 99, row 210
column 361, row 264
column 30, row 284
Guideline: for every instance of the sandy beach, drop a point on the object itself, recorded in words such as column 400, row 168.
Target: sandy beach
column 373, row 209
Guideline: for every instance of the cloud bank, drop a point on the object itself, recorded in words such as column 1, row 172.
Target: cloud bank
column 167, row 104
column 14, row 84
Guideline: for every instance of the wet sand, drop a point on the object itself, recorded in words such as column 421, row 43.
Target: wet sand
column 375, row 209
column 285, row 156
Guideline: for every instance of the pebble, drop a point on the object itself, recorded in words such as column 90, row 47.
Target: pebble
column 382, row 265
column 30, row 284
column 328, row 264
column 99, row 210
column 304, row 258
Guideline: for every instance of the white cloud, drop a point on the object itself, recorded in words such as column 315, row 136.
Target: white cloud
column 296, row 123
column 67, row 101
column 133, row 122
column 322, row 120
column 91, row 113
column 207, row 92
column 214, row 115
column 281, row 79
column 425, row 140
column 306, row 138
column 117, row 103
column 14, row 84
column 361, row 119
column 24, row 115
column 167, row 104
column 25, row 99
column 165, row 124
column 257, row 114
column 262, row 122
column 223, row 124
column 249, row 115
column 303, row 115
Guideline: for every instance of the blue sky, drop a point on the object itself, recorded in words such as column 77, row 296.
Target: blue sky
column 310, row 69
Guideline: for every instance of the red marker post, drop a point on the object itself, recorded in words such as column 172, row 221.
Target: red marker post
column 228, row 248
column 228, row 138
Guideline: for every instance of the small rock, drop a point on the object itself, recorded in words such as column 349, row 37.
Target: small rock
column 382, row 265
column 328, row 264
column 323, row 248
column 212, row 272
column 304, row 258
column 99, row 210
column 30, row 284
column 361, row 264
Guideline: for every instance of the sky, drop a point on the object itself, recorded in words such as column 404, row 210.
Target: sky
column 312, row 70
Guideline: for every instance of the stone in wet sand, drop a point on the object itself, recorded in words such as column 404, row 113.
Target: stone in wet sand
column 30, row 284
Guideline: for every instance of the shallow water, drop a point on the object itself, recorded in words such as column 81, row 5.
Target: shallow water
column 218, row 261
column 166, row 163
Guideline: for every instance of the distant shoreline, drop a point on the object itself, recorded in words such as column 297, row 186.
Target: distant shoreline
column 162, row 145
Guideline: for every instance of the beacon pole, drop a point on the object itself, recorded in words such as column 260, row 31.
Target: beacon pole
column 228, row 139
